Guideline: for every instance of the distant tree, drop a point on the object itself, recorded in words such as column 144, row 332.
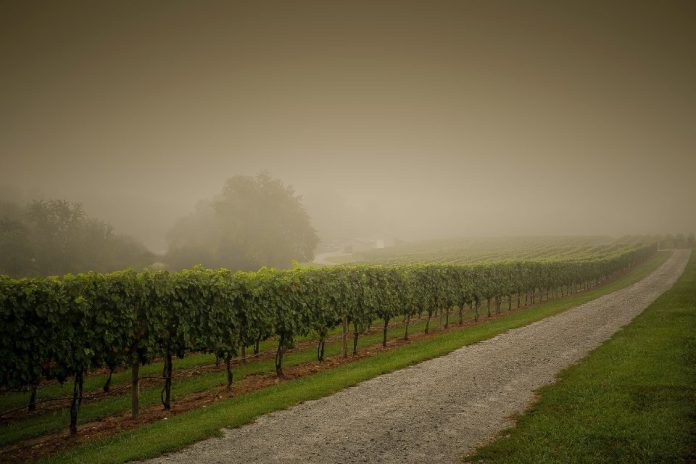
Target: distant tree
column 58, row 230
column 255, row 221
column 680, row 241
column 16, row 255
column 52, row 237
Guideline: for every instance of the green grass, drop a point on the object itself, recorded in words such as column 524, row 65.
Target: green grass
column 95, row 383
column 178, row 431
column 632, row 400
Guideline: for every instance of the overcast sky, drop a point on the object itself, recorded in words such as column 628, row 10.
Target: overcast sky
column 414, row 119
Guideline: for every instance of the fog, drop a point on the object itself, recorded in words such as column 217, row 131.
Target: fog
column 409, row 119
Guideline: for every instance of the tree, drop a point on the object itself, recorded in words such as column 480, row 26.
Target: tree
column 16, row 257
column 255, row 221
column 51, row 237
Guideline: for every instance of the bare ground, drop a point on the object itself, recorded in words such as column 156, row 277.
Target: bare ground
column 439, row 410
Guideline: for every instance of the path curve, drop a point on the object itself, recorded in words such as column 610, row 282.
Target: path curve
column 438, row 410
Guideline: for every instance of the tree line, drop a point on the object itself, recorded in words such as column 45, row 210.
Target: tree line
column 52, row 237
column 255, row 221
column 676, row 241
column 63, row 327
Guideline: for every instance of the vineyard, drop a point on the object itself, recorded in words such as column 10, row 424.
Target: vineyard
column 120, row 338
column 493, row 249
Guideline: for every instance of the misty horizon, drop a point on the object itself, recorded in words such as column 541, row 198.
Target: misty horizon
column 414, row 121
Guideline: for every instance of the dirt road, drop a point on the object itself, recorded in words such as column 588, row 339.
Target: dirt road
column 439, row 410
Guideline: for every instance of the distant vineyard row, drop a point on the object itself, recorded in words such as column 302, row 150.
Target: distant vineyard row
column 493, row 249
column 56, row 328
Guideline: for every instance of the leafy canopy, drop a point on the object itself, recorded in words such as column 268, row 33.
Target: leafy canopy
column 254, row 222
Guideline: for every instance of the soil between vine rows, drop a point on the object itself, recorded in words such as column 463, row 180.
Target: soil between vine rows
column 441, row 409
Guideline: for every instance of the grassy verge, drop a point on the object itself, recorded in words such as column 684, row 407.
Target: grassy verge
column 632, row 400
column 179, row 431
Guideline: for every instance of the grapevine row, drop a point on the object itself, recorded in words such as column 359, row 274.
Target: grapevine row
column 63, row 327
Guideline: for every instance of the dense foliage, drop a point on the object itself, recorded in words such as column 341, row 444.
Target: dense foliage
column 254, row 222
column 63, row 327
column 52, row 237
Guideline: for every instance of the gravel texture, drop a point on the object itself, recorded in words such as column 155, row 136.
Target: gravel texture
column 439, row 410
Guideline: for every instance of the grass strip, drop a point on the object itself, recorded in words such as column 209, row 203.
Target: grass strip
column 632, row 400
column 169, row 435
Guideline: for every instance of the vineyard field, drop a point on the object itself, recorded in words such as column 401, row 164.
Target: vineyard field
column 493, row 249
column 102, row 350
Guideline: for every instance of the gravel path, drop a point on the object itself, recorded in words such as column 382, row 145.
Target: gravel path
column 441, row 409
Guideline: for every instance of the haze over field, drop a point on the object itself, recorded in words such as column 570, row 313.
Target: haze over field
column 412, row 119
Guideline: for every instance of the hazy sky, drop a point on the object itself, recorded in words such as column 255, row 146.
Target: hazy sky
column 416, row 119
